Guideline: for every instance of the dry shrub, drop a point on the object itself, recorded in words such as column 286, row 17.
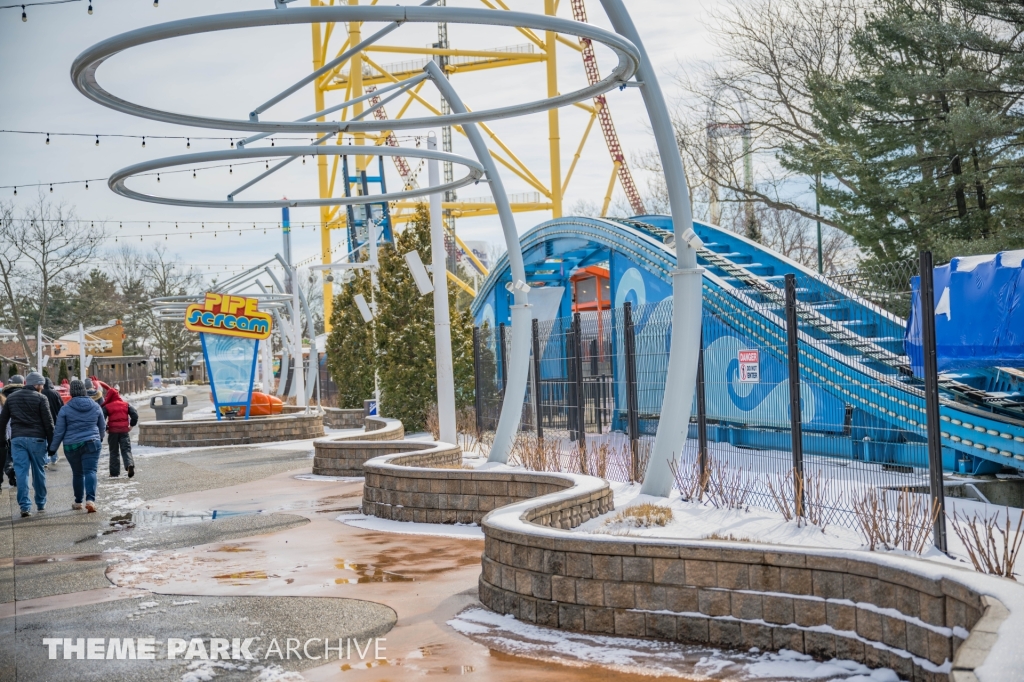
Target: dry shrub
column 536, row 454
column 689, row 481
column 465, row 426
column 726, row 489
column 432, row 423
column 620, row 460
column 646, row 515
column 906, row 525
column 730, row 537
column 989, row 554
column 821, row 499
column 592, row 459
column 808, row 499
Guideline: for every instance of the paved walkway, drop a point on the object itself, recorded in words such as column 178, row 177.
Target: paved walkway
column 276, row 562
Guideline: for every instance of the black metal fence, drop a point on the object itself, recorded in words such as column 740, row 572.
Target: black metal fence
column 791, row 382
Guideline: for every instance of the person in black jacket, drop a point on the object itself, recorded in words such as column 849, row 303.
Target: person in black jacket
column 15, row 383
column 28, row 413
column 56, row 402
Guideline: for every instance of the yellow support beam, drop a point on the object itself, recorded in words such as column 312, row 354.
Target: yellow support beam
column 554, row 141
column 579, row 150
column 611, row 188
column 453, row 278
column 321, row 166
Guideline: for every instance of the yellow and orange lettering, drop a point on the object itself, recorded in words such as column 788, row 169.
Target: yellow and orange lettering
column 212, row 301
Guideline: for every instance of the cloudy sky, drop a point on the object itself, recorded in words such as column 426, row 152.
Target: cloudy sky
column 227, row 74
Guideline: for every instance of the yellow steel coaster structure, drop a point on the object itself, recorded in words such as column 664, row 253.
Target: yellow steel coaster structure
column 364, row 71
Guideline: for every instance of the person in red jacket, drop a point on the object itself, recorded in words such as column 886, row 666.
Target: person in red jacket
column 121, row 417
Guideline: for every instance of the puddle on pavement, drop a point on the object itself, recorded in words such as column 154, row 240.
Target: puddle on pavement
column 159, row 519
column 367, row 573
column 55, row 558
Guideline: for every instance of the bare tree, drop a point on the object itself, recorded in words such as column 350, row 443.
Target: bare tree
column 166, row 276
column 770, row 52
column 44, row 245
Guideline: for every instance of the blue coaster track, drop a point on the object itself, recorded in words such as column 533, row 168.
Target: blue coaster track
column 851, row 350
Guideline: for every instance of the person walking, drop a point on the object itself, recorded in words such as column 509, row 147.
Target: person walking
column 121, row 418
column 56, row 403
column 80, row 426
column 15, row 382
column 28, row 413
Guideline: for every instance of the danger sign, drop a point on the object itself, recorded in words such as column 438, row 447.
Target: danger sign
column 750, row 366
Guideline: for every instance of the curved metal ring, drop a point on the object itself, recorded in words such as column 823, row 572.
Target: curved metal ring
column 83, row 70
column 117, row 180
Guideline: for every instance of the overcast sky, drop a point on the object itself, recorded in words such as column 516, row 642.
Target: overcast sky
column 226, row 74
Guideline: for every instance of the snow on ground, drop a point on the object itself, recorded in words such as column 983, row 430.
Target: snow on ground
column 695, row 521
column 445, row 530
column 644, row 656
column 318, row 477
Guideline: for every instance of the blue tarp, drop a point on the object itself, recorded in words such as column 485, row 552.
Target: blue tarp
column 979, row 314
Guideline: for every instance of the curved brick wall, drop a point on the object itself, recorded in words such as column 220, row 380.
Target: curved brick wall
column 401, row 488
column 882, row 610
column 334, row 418
column 344, row 455
column 211, row 432
column 925, row 620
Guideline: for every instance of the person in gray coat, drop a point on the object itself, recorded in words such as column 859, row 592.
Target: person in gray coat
column 80, row 426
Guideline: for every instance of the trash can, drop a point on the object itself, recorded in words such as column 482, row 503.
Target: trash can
column 171, row 407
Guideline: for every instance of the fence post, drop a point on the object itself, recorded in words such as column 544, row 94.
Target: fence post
column 478, row 401
column 595, row 386
column 537, row 405
column 702, row 421
column 632, row 404
column 581, row 401
column 931, row 400
column 795, row 417
column 501, row 356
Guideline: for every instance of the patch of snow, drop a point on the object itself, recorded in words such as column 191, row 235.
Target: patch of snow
column 695, row 521
column 205, row 671
column 625, row 654
column 317, row 477
column 445, row 530
column 275, row 673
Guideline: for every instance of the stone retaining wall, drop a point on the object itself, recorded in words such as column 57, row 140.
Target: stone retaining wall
column 401, row 488
column 344, row 455
column 334, row 418
column 925, row 620
column 209, row 432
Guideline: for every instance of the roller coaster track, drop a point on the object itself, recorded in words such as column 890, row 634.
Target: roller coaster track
column 848, row 344
column 604, row 116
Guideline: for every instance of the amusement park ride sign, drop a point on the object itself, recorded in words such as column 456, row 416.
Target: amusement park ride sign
column 230, row 329
column 228, row 315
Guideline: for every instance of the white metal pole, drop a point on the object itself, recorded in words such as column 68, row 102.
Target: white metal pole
column 268, row 368
column 81, row 351
column 442, row 321
column 300, row 370
column 39, row 348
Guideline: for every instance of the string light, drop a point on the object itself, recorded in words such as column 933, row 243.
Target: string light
column 188, row 143
column 90, row 8
column 51, row 189
column 24, row 17
column 143, row 141
column 47, row 138
column 87, row 184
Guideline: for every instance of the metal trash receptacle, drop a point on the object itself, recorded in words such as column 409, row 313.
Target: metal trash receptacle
column 171, row 407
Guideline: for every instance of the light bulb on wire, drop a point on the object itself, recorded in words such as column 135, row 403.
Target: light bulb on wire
column 143, row 141
column 90, row 8
column 97, row 140
column 24, row 17
column 47, row 138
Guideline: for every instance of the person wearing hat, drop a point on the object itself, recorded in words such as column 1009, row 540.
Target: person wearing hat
column 28, row 414
column 15, row 382
column 80, row 426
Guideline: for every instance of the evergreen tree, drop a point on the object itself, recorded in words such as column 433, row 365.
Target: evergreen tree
column 350, row 351
column 62, row 371
column 405, row 334
column 923, row 143
column 11, row 371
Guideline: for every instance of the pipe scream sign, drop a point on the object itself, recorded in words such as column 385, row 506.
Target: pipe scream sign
column 228, row 315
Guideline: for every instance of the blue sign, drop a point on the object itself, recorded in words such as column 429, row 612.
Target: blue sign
column 231, row 363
